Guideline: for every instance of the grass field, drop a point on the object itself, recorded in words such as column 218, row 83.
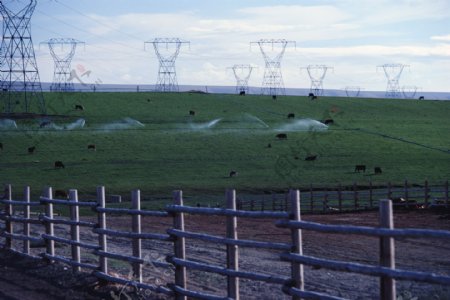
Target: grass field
column 408, row 139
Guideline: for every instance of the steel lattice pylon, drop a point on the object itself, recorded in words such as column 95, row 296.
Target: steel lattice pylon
column 352, row 91
column 167, row 50
column 273, row 79
column 62, row 80
column 393, row 73
column 20, row 82
column 317, row 74
column 409, row 91
column 242, row 74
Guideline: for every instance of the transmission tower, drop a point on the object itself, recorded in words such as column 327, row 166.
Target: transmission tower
column 242, row 74
column 393, row 73
column 352, row 91
column 19, row 75
column 272, row 52
column 167, row 50
column 409, row 91
column 317, row 74
column 62, row 51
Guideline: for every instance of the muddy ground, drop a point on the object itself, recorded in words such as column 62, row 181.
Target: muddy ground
column 33, row 279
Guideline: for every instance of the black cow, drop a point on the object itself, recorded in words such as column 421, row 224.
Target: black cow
column 291, row 116
column 192, row 113
column 92, row 146
column 274, row 97
column 242, row 93
column 377, row 170
column 311, row 158
column 421, row 98
column 59, row 165
column 79, row 107
column 31, row 149
column 310, row 95
column 44, row 124
column 359, row 168
column 233, row 174
column 61, row 194
column 282, row 136
column 328, row 121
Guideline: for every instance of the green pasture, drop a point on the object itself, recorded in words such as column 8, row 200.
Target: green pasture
column 407, row 139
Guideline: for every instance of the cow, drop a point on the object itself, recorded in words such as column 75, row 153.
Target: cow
column 377, row 170
column 311, row 158
column 242, row 93
column 31, row 149
column 359, row 168
column 291, row 116
column 44, row 124
column 282, row 136
column 274, row 97
column 79, row 107
column 421, row 98
column 328, row 121
column 192, row 113
column 61, row 194
column 59, row 165
column 92, row 146
column 310, row 95
column 233, row 174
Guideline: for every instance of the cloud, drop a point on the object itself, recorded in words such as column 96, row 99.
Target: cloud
column 442, row 38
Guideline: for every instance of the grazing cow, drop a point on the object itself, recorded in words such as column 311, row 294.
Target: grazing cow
column 328, row 121
column 192, row 113
column 59, row 165
column 359, row 168
column 310, row 95
column 233, row 174
column 242, row 93
column 31, row 149
column 421, row 98
column 61, row 194
column 44, row 124
column 92, row 146
column 274, row 97
column 291, row 116
column 311, row 158
column 282, row 136
column 79, row 107
column 377, row 170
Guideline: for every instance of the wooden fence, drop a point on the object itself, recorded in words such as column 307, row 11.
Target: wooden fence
column 176, row 236
column 356, row 197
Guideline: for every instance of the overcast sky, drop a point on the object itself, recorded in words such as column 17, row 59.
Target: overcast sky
column 353, row 36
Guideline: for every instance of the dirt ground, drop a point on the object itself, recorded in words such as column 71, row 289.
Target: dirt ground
column 33, row 279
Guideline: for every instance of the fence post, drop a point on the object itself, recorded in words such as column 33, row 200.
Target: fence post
column 252, row 205
column 427, row 196
column 75, row 229
column 371, row 194
column 232, row 250
column 387, row 251
column 389, row 194
column 26, row 225
column 406, row 192
column 179, row 246
column 355, row 195
column 136, row 228
column 9, row 212
column 325, row 202
column 340, row 197
column 49, row 230
column 311, row 198
column 297, row 247
column 101, row 203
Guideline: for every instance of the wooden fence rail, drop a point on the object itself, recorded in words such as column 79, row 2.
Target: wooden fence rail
column 177, row 235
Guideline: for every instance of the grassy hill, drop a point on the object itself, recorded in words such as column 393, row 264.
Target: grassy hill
column 408, row 139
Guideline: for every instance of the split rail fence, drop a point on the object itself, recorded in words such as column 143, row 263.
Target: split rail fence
column 176, row 236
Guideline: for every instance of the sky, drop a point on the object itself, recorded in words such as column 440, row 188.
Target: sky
column 351, row 37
